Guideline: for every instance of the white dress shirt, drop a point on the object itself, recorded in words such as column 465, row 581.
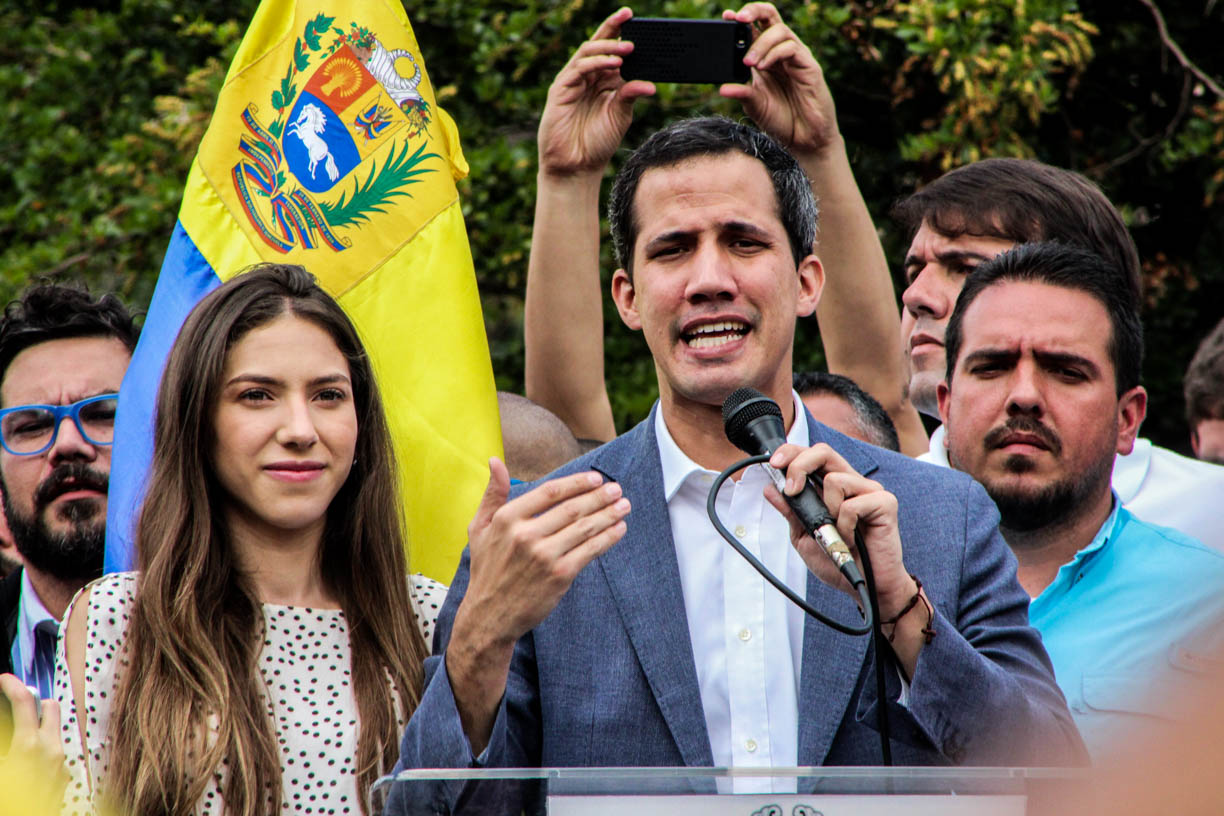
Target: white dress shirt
column 747, row 637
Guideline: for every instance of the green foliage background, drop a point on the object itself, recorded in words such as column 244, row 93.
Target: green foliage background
column 104, row 104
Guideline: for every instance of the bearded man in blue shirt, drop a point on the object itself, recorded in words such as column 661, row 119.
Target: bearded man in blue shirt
column 1041, row 391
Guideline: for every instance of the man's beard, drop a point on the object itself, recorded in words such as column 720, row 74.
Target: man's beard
column 1024, row 510
column 73, row 554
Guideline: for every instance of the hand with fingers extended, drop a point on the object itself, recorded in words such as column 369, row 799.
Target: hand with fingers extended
column 787, row 97
column 589, row 106
column 524, row 554
column 34, row 763
column 857, row 503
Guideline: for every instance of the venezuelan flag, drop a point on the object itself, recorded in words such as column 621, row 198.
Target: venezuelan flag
column 327, row 149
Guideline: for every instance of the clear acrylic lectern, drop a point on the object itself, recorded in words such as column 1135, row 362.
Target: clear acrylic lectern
column 738, row 791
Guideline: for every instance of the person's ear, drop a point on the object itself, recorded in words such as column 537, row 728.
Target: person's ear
column 943, row 394
column 811, row 284
column 1132, row 408
column 624, row 295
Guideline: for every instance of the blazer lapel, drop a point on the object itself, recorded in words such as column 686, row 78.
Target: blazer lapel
column 832, row 661
column 644, row 577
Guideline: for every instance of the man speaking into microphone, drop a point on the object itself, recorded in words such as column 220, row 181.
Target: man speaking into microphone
column 560, row 645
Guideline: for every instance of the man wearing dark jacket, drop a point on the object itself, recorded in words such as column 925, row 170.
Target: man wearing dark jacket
column 62, row 358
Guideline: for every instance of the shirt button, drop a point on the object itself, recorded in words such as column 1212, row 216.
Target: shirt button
column 751, row 746
column 706, row 479
column 745, row 635
column 740, row 531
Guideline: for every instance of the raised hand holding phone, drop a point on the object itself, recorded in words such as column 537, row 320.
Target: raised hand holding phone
column 787, row 96
column 590, row 105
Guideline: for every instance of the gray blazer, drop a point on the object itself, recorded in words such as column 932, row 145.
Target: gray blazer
column 609, row 679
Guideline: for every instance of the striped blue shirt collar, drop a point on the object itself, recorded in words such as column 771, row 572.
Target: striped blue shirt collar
column 30, row 613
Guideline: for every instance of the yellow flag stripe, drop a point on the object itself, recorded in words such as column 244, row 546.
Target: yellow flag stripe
column 419, row 316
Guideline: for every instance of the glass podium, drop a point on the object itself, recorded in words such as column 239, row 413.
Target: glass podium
column 831, row 791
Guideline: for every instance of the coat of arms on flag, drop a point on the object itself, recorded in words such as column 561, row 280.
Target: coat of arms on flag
column 347, row 131
column 328, row 148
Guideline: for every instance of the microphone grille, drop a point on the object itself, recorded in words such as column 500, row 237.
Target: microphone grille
column 742, row 407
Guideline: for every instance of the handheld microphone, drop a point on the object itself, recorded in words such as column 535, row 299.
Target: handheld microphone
column 753, row 423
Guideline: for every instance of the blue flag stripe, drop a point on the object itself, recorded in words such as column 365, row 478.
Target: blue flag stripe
column 185, row 278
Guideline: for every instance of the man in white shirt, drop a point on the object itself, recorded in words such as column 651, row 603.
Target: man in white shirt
column 598, row 619
column 1203, row 387
column 972, row 214
column 62, row 358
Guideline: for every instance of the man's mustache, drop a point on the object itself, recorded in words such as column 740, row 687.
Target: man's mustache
column 67, row 477
column 1025, row 425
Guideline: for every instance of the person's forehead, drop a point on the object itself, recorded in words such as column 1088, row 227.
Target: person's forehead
column 1030, row 316
column 702, row 187
column 928, row 243
column 68, row 368
column 286, row 345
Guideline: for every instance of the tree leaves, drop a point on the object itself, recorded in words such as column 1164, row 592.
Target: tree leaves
column 92, row 180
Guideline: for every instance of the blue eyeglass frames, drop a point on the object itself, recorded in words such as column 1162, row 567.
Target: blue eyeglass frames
column 27, row 430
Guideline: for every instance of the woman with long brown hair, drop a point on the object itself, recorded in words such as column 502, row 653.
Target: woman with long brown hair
column 264, row 658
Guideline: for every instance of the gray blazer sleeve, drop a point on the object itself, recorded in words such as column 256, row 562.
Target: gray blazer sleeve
column 983, row 692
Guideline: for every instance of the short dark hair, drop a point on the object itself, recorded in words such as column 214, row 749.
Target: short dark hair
column 714, row 136
column 1067, row 267
column 53, row 311
column 873, row 420
column 1025, row 201
column 1204, row 382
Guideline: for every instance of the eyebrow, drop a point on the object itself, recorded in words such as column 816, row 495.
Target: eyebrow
column 990, row 356
column 949, row 255
column 1047, row 359
column 1065, row 358
column 733, row 227
column 263, row 379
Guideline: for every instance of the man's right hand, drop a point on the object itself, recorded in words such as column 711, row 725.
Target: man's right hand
column 787, row 97
column 524, row 555
column 589, row 106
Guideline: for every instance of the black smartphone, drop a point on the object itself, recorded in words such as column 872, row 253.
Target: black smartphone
column 667, row 50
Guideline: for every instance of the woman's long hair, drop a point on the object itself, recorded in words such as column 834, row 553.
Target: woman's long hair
column 191, row 700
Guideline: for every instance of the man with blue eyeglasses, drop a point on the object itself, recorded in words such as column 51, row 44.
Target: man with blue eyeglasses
column 63, row 354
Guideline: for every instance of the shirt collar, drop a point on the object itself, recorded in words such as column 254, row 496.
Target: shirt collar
column 1106, row 532
column 1130, row 470
column 937, row 450
column 31, row 613
column 677, row 466
column 1067, row 573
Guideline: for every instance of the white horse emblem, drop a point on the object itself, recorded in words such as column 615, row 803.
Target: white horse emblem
column 310, row 123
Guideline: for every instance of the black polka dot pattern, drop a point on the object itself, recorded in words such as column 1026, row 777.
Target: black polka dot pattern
column 306, row 672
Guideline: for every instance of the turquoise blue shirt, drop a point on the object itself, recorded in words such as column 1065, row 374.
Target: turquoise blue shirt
column 1132, row 624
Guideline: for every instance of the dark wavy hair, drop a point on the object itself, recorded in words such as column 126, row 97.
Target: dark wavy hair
column 196, row 628
column 52, row 311
column 714, row 136
column 1025, row 201
column 1067, row 267
column 1203, row 386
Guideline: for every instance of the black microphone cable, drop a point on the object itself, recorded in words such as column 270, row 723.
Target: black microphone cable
column 865, row 595
column 864, row 583
column 869, row 605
